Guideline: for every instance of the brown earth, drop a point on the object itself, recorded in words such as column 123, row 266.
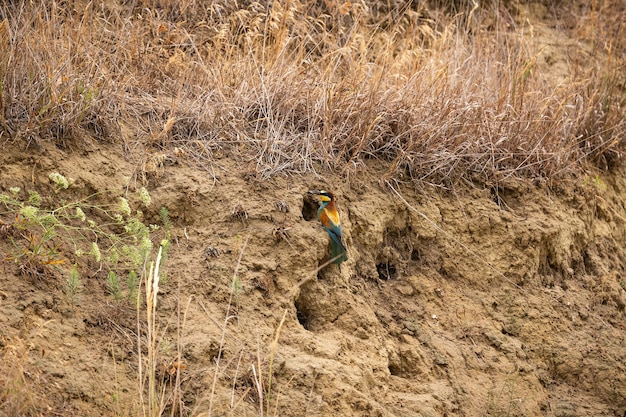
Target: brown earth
column 503, row 300
column 488, row 300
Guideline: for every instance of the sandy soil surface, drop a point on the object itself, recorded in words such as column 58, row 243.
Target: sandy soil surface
column 503, row 300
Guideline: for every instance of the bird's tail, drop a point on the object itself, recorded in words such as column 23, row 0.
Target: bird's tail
column 338, row 251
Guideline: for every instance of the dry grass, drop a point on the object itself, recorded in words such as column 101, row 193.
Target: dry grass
column 438, row 90
column 17, row 393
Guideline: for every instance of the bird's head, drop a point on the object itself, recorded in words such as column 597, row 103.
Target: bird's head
column 324, row 196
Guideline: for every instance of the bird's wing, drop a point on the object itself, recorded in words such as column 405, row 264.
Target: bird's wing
column 333, row 215
column 330, row 221
column 336, row 235
column 325, row 219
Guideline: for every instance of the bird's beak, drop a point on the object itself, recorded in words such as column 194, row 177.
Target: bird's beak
column 316, row 192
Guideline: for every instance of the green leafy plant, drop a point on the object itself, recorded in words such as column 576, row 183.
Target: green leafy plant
column 132, row 283
column 113, row 285
column 45, row 237
column 73, row 285
column 34, row 249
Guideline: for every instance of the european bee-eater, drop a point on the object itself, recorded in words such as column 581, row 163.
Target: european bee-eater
column 329, row 216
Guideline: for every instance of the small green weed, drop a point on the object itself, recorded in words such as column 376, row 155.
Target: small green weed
column 73, row 285
column 594, row 183
column 113, row 285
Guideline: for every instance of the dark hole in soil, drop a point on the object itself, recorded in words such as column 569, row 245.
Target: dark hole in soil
column 386, row 271
column 395, row 370
column 303, row 314
column 309, row 208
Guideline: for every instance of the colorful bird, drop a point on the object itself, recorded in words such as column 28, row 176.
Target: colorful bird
column 329, row 216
